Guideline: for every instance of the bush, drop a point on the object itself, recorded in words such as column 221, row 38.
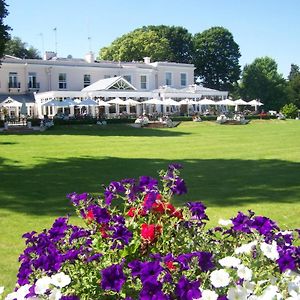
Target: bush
column 290, row 110
column 1, row 123
column 143, row 247
column 34, row 121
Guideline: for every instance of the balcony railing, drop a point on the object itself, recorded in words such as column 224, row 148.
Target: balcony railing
column 33, row 85
column 14, row 85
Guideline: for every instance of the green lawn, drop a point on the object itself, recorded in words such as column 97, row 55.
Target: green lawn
column 229, row 168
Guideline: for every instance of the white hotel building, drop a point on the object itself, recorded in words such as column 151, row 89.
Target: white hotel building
column 36, row 81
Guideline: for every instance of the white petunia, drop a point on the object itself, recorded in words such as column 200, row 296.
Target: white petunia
column 11, row 296
column 1, row 289
column 223, row 222
column 249, row 286
column 42, row 285
column 60, row 280
column 246, row 248
column 294, row 289
column 244, row 272
column 237, row 293
column 230, row 262
column 271, row 292
column 55, row 294
column 209, row 295
column 23, row 291
column 270, row 251
column 219, row 278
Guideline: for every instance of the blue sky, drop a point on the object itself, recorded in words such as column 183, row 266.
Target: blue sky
column 260, row 27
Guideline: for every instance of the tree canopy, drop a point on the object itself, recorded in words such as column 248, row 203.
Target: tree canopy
column 261, row 80
column 216, row 58
column 4, row 29
column 294, row 85
column 16, row 47
column 161, row 43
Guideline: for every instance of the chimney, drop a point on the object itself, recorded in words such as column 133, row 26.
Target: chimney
column 49, row 55
column 147, row 60
column 89, row 57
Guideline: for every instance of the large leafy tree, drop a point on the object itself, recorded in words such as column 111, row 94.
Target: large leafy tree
column 216, row 58
column 161, row 43
column 16, row 47
column 4, row 29
column 261, row 80
column 294, row 85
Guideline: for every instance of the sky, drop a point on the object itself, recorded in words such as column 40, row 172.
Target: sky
column 260, row 27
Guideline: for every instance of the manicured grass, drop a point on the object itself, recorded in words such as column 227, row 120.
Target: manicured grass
column 229, row 168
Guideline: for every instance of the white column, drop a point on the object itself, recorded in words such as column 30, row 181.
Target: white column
column 128, row 108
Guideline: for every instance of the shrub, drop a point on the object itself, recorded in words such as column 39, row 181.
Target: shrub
column 137, row 245
column 290, row 110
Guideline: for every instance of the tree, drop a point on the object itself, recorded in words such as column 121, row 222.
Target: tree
column 261, row 80
column 294, row 71
column 16, row 47
column 134, row 46
column 161, row 43
column 4, row 35
column 294, row 85
column 216, row 58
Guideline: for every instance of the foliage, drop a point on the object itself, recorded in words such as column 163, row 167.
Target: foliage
column 216, row 58
column 294, row 72
column 16, row 47
column 143, row 247
column 161, row 43
column 4, row 29
column 290, row 110
column 261, row 80
column 136, row 45
column 294, row 85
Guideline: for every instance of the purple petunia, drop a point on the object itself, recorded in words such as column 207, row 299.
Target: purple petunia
column 263, row 225
column 150, row 270
column 197, row 210
column 205, row 260
column 152, row 290
column 286, row 262
column 77, row 198
column 187, row 290
column 241, row 223
column 113, row 278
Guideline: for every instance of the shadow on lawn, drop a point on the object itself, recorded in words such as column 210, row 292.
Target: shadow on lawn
column 41, row 190
column 108, row 130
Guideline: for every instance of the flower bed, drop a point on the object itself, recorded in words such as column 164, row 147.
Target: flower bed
column 136, row 245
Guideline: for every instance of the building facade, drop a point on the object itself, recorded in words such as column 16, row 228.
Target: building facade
column 60, row 78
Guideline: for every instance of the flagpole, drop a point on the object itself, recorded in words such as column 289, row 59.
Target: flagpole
column 55, row 36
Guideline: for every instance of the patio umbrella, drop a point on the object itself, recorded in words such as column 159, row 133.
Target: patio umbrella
column 88, row 102
column 53, row 103
column 206, row 102
column 117, row 100
column 23, row 109
column 131, row 102
column 153, row 101
column 240, row 102
column 170, row 101
column 227, row 102
column 187, row 102
column 103, row 103
column 255, row 103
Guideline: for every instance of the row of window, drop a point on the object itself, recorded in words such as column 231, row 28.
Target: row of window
column 62, row 80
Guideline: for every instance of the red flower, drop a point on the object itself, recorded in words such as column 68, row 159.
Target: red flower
column 150, row 232
column 131, row 212
column 90, row 216
column 102, row 229
column 170, row 265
